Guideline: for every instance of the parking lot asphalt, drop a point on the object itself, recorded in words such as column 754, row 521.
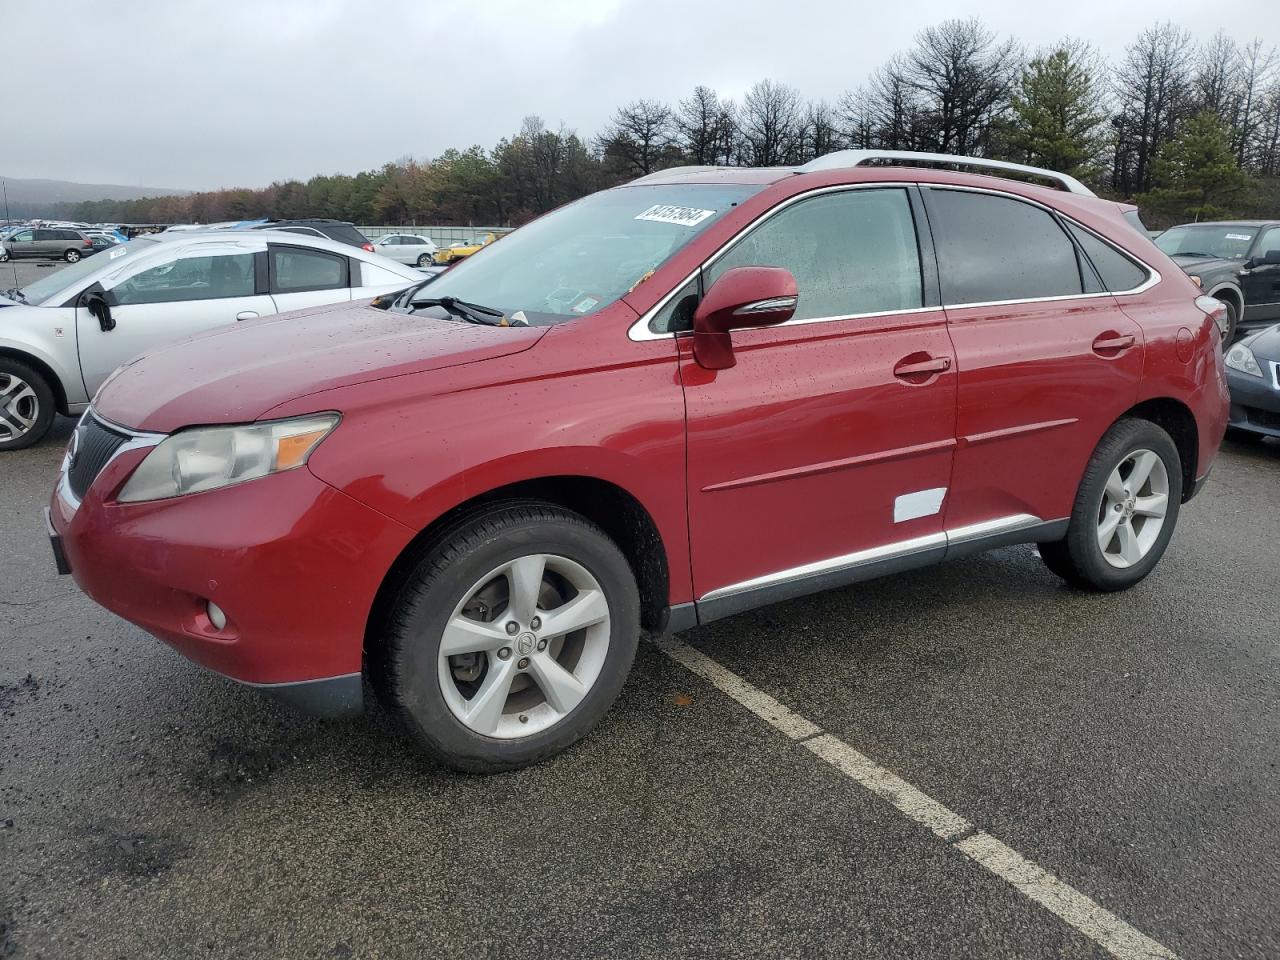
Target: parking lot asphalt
column 1127, row 744
column 18, row 273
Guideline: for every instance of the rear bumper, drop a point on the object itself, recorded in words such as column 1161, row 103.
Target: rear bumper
column 293, row 563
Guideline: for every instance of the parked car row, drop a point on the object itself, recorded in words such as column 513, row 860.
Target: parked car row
column 665, row 403
column 61, row 336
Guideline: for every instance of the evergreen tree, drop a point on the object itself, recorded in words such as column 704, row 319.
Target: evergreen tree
column 1058, row 115
column 1196, row 173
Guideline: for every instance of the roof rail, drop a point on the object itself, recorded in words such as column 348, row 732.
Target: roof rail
column 842, row 159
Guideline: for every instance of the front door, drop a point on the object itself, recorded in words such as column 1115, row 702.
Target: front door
column 1047, row 359
column 198, row 291
column 1261, row 284
column 825, row 452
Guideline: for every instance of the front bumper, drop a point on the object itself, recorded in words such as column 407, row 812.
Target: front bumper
column 293, row 563
column 1255, row 401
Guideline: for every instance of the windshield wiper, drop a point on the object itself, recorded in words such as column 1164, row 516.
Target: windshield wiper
column 471, row 312
column 13, row 293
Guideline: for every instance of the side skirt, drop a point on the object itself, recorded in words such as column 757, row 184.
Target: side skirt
column 873, row 563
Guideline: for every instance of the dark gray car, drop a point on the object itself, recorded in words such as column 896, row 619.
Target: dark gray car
column 53, row 243
column 1253, row 373
column 1236, row 262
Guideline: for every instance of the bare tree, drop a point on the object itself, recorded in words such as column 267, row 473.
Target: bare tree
column 820, row 133
column 1153, row 88
column 961, row 76
column 705, row 127
column 770, row 124
column 641, row 136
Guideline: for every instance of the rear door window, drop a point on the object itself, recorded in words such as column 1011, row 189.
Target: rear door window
column 294, row 269
column 995, row 248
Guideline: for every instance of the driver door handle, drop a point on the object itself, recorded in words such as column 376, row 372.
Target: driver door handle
column 247, row 315
column 1114, row 343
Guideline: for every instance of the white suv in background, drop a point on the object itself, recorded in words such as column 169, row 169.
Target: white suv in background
column 63, row 335
column 406, row 248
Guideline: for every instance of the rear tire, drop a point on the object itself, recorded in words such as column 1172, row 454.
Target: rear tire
column 424, row 260
column 1125, row 510
column 490, row 587
column 71, row 256
column 27, row 405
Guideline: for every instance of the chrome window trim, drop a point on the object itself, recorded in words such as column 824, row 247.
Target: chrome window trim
column 138, row 440
column 639, row 330
column 888, row 551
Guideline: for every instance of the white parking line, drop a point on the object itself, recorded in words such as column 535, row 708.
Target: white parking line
column 1103, row 928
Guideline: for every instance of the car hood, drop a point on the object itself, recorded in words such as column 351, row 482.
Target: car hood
column 1206, row 264
column 1265, row 344
column 236, row 374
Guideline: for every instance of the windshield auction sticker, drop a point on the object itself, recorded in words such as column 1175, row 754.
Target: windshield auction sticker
column 667, row 213
column 1239, row 236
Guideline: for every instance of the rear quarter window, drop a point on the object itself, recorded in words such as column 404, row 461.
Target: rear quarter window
column 346, row 235
column 1118, row 272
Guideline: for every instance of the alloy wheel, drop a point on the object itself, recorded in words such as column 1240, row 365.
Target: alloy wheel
column 524, row 646
column 19, row 407
column 1133, row 509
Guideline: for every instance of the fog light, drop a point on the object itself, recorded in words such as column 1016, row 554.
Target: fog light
column 216, row 616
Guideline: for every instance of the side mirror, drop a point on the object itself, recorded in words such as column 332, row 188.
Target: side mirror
column 96, row 304
column 743, row 297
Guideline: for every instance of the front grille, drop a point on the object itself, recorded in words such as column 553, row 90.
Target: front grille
column 95, row 446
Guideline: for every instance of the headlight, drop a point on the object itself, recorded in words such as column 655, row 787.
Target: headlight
column 1241, row 358
column 206, row 458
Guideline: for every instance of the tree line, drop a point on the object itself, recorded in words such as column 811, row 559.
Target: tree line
column 1189, row 130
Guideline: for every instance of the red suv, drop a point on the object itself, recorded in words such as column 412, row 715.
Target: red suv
column 672, row 401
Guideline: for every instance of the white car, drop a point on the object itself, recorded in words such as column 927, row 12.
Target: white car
column 406, row 248
column 63, row 335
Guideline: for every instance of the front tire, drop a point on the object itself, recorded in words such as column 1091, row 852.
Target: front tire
column 510, row 639
column 71, row 256
column 1125, row 510
column 27, row 405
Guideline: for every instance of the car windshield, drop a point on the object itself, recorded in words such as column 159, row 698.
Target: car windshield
column 588, row 254
column 1222, row 240
column 43, row 290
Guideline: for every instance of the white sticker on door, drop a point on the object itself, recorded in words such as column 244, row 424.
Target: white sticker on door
column 922, row 503
column 668, row 213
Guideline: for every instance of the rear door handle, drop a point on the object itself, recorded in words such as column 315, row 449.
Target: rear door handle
column 1112, row 342
column 247, row 315
column 906, row 368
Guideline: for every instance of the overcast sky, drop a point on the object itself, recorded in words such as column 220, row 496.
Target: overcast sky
column 207, row 93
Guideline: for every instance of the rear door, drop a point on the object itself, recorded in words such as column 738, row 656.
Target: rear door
column 1261, row 284
column 306, row 277
column 826, row 450
column 1047, row 359
column 202, row 287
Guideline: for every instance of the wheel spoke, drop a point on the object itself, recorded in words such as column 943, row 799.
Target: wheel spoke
column 484, row 710
column 1130, row 552
column 562, row 689
column 1143, row 464
column 464, row 635
column 525, row 577
column 1115, row 487
column 587, row 608
column 1156, row 505
column 1107, row 529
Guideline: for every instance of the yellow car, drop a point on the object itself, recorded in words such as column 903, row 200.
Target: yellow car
column 456, row 251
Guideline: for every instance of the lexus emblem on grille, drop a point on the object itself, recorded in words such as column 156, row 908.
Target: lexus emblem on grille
column 73, row 449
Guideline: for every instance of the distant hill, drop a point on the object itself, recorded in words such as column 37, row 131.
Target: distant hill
column 34, row 198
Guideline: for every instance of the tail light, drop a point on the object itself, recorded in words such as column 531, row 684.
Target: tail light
column 1215, row 310
column 367, row 246
column 88, row 242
